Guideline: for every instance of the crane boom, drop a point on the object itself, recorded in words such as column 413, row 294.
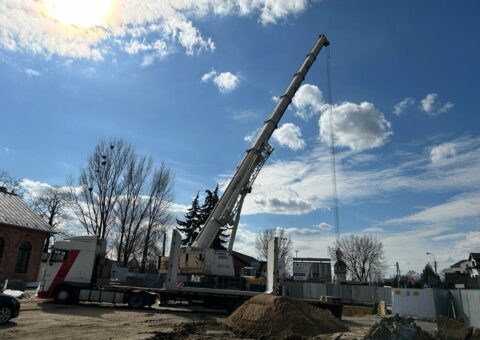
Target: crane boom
column 229, row 205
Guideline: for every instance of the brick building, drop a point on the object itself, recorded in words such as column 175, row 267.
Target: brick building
column 22, row 239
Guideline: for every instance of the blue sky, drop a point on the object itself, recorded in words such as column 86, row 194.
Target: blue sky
column 187, row 83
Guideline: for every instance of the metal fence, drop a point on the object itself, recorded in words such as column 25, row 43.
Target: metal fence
column 431, row 303
column 466, row 305
column 419, row 303
column 426, row 303
column 364, row 294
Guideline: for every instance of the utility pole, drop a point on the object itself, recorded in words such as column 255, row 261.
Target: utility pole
column 398, row 273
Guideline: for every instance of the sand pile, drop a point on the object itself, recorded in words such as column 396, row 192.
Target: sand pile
column 268, row 316
column 397, row 328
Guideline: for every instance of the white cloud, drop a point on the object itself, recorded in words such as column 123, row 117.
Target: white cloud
column 356, row 126
column 373, row 230
column 244, row 115
column 443, row 152
column 28, row 25
column 325, row 226
column 448, row 237
column 289, row 135
column 446, row 107
column 303, row 184
column 431, row 106
column 403, row 105
column 31, row 73
column 470, row 244
column 458, row 208
column 308, row 101
column 209, row 75
column 251, row 136
column 226, row 81
column 428, row 102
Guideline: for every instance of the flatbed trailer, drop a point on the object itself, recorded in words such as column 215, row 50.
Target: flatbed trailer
column 225, row 299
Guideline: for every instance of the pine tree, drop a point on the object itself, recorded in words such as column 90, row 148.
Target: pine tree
column 211, row 200
column 191, row 226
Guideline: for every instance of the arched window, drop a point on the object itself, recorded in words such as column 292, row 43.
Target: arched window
column 23, row 257
column 2, row 246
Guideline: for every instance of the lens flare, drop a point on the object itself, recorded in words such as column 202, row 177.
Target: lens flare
column 82, row 13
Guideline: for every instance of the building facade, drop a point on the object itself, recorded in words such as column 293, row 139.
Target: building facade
column 22, row 239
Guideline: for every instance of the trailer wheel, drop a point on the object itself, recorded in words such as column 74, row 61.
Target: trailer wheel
column 65, row 295
column 136, row 301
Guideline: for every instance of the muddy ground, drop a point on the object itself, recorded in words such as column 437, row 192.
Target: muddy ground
column 46, row 320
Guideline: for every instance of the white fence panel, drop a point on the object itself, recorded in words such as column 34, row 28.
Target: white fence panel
column 294, row 289
column 312, row 290
column 471, row 306
column 414, row 302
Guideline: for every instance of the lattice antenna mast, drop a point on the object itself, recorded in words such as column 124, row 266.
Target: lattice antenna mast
column 332, row 148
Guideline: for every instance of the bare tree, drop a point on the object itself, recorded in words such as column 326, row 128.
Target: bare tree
column 363, row 255
column 131, row 209
column 159, row 215
column 284, row 243
column 100, row 186
column 120, row 196
column 12, row 184
column 51, row 204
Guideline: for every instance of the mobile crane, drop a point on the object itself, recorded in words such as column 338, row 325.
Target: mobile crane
column 200, row 258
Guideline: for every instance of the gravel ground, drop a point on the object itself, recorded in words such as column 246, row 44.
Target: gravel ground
column 46, row 320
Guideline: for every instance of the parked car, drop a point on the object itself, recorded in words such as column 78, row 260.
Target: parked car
column 9, row 307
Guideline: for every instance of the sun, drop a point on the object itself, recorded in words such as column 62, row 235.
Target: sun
column 82, row 13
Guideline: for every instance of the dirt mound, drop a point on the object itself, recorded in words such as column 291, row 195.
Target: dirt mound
column 268, row 316
column 396, row 328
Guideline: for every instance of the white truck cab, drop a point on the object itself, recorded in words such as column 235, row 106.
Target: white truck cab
column 74, row 263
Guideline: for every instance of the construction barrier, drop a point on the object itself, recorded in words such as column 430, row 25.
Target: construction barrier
column 431, row 303
column 466, row 305
column 419, row 303
column 354, row 293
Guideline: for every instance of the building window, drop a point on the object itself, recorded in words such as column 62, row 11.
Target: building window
column 23, row 257
column 2, row 246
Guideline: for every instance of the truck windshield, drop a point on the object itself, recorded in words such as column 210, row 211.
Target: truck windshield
column 58, row 255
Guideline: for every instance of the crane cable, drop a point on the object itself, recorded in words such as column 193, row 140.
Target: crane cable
column 332, row 148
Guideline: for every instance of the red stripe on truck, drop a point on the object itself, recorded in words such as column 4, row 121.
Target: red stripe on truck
column 62, row 273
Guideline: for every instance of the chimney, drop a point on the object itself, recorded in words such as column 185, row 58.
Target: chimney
column 4, row 190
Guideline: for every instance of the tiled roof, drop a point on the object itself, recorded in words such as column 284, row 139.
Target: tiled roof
column 15, row 212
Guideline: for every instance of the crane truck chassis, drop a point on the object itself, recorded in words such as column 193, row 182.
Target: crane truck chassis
column 76, row 272
column 77, row 268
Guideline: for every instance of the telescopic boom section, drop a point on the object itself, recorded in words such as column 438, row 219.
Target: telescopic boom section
column 230, row 203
